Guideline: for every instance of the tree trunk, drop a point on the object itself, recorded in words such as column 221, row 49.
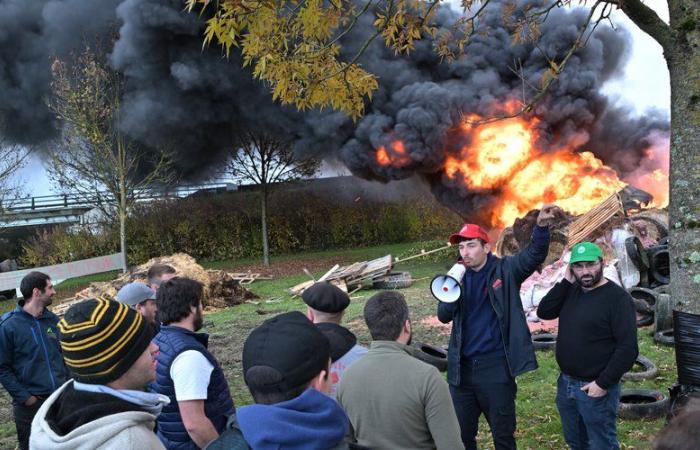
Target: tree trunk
column 683, row 59
column 266, row 246
column 122, row 237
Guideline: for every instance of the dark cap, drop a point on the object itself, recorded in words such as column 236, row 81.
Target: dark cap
column 326, row 298
column 340, row 338
column 288, row 346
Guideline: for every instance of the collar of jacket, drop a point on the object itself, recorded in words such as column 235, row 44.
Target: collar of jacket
column 203, row 338
column 391, row 346
column 44, row 315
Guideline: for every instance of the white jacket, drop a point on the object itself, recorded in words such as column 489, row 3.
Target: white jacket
column 123, row 431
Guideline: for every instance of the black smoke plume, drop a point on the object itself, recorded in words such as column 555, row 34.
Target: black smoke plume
column 194, row 102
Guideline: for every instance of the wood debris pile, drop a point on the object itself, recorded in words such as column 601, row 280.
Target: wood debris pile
column 353, row 277
column 221, row 289
column 377, row 273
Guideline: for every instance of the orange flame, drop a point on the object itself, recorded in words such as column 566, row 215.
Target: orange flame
column 502, row 159
column 395, row 156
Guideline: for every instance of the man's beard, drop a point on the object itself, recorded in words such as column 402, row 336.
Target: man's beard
column 589, row 282
column 198, row 320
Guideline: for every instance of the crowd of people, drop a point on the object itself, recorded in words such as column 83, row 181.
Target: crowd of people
column 136, row 372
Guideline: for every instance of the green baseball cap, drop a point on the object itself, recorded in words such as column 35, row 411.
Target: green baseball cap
column 585, row 251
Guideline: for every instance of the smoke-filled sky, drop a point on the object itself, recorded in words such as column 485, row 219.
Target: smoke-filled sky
column 178, row 95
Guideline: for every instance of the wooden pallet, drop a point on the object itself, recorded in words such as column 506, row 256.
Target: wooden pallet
column 247, row 277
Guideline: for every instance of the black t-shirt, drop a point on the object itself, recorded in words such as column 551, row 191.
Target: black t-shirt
column 597, row 337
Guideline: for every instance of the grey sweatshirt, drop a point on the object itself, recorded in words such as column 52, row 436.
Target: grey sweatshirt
column 395, row 401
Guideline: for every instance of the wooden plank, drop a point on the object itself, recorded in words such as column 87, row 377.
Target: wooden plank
column 60, row 272
column 328, row 274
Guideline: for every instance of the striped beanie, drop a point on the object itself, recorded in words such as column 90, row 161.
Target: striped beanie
column 101, row 339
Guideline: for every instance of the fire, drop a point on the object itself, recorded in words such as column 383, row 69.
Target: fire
column 502, row 160
column 395, row 156
column 503, row 157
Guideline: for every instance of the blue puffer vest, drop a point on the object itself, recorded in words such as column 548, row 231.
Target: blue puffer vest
column 218, row 405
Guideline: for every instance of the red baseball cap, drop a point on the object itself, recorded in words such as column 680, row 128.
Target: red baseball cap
column 469, row 231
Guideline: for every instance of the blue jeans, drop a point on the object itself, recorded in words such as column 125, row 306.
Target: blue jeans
column 588, row 422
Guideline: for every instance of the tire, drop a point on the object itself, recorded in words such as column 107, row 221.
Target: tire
column 663, row 313
column 644, row 320
column 659, row 264
column 650, row 370
column 431, row 354
column 638, row 404
column 544, row 341
column 665, row 337
column 394, row 280
column 647, row 296
column 636, row 252
column 662, row 289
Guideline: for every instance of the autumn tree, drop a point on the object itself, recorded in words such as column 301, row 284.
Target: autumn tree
column 12, row 159
column 94, row 159
column 264, row 160
column 294, row 45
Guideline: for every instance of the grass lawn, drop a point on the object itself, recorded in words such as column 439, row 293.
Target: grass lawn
column 538, row 420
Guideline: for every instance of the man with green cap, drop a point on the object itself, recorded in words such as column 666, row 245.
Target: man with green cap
column 596, row 345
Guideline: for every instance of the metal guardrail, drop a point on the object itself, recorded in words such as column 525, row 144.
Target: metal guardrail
column 73, row 200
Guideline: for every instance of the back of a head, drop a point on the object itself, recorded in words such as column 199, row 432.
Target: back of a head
column 175, row 298
column 282, row 356
column 683, row 432
column 101, row 339
column 156, row 272
column 385, row 314
column 33, row 280
column 327, row 301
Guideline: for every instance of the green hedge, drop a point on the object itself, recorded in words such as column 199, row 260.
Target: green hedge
column 227, row 226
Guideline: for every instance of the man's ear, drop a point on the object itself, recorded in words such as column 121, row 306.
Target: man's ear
column 321, row 382
column 309, row 313
column 487, row 247
column 407, row 326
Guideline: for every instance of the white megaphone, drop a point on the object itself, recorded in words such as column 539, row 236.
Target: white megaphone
column 447, row 288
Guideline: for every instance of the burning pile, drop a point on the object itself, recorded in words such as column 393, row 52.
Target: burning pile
column 221, row 289
column 506, row 162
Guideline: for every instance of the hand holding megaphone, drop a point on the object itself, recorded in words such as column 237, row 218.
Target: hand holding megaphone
column 447, row 288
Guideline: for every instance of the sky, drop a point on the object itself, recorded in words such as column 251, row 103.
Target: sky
column 644, row 85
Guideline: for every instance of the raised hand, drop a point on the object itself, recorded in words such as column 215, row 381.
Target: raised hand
column 547, row 215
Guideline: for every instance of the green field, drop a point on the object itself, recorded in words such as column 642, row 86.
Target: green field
column 538, row 420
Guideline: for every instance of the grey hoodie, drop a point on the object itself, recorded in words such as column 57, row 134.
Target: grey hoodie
column 121, row 431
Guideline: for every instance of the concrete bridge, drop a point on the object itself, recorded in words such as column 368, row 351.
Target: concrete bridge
column 70, row 208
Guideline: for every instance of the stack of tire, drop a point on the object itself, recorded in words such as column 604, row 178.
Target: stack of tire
column 653, row 305
column 651, row 297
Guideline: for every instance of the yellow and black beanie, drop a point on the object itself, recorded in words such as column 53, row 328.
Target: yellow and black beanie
column 101, row 339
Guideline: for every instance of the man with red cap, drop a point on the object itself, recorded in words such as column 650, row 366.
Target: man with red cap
column 490, row 343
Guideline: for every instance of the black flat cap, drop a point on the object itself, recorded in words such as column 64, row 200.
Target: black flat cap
column 326, row 298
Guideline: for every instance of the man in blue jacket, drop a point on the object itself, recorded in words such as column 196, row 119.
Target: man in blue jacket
column 490, row 343
column 286, row 363
column 31, row 363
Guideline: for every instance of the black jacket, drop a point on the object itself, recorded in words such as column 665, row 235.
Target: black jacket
column 504, row 279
